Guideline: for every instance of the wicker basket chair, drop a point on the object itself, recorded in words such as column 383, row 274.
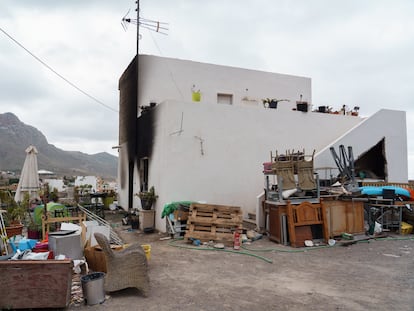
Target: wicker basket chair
column 125, row 268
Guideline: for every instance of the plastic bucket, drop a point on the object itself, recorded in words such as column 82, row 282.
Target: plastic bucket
column 196, row 96
column 93, row 288
column 147, row 250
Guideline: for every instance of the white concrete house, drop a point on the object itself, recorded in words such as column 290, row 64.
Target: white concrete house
column 55, row 183
column 212, row 150
column 87, row 180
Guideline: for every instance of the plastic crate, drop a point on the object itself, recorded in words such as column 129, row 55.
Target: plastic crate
column 406, row 228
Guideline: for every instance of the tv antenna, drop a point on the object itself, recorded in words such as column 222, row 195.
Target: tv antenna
column 145, row 23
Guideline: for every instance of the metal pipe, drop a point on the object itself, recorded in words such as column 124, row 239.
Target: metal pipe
column 114, row 237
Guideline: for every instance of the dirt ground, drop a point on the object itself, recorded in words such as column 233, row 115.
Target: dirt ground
column 374, row 275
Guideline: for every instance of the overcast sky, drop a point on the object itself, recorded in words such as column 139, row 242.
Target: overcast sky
column 358, row 53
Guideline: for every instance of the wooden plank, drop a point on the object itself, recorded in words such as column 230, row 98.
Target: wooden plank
column 210, row 207
column 218, row 222
column 208, row 222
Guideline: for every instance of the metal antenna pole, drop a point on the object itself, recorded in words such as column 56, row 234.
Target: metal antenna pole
column 133, row 161
column 137, row 2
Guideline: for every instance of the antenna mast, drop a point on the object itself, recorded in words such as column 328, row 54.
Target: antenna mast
column 137, row 2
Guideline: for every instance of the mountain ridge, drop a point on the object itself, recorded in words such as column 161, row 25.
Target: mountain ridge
column 16, row 136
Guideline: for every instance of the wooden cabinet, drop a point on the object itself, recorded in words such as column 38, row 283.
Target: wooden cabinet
column 307, row 221
column 296, row 223
column 278, row 231
column 344, row 216
column 293, row 224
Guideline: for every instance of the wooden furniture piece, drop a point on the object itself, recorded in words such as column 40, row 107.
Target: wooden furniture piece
column 344, row 216
column 295, row 176
column 305, row 170
column 46, row 221
column 35, row 284
column 303, row 220
column 284, row 168
column 124, row 268
column 278, row 229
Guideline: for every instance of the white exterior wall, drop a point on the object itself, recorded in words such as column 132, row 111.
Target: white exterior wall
column 164, row 79
column 236, row 141
column 388, row 124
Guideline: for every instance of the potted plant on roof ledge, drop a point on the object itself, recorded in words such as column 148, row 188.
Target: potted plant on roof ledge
column 147, row 198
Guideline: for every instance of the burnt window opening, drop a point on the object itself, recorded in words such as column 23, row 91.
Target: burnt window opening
column 373, row 163
column 143, row 174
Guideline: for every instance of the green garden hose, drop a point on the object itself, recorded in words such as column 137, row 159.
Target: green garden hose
column 275, row 249
column 172, row 243
column 281, row 250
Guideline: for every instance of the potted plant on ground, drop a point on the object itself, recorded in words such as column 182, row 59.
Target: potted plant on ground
column 13, row 218
column 34, row 228
column 147, row 198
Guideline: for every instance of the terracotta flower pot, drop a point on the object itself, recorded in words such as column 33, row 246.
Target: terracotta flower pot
column 13, row 230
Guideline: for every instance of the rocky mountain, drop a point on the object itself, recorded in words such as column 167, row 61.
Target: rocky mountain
column 15, row 137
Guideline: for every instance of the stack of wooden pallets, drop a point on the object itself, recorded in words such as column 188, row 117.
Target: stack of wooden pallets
column 209, row 222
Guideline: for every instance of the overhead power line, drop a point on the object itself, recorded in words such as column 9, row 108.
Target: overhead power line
column 56, row 73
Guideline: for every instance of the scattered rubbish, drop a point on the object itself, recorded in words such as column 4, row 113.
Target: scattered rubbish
column 125, row 221
column 78, row 264
column 287, row 193
column 253, row 235
column 331, row 242
column 147, row 250
column 355, row 239
column 196, row 242
column 219, row 245
column 347, row 236
column 28, row 255
column 308, row 243
column 406, row 228
column 392, row 255
column 236, row 239
column 149, row 230
column 76, row 290
column 377, row 228
column 165, row 238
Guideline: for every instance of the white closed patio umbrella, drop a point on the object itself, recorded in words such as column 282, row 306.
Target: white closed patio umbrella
column 29, row 177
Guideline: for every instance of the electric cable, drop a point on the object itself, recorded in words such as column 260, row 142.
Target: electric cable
column 168, row 67
column 56, row 73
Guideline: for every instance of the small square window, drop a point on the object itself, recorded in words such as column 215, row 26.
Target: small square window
column 225, row 99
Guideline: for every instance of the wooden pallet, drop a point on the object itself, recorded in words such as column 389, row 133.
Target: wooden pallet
column 209, row 222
